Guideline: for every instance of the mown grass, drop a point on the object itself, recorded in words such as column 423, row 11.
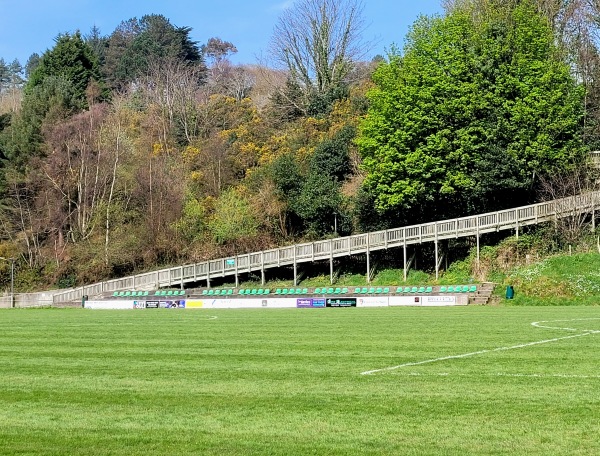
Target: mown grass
column 288, row 382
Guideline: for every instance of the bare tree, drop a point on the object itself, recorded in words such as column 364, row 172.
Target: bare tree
column 76, row 171
column 571, row 221
column 170, row 88
column 318, row 41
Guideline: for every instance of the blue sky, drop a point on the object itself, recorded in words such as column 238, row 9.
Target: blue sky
column 28, row 26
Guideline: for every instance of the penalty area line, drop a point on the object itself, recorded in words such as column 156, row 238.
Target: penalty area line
column 475, row 353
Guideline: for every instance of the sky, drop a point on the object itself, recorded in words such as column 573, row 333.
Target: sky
column 31, row 26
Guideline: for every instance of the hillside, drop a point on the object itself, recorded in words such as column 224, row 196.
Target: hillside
column 142, row 149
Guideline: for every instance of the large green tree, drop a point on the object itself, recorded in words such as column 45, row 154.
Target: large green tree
column 469, row 117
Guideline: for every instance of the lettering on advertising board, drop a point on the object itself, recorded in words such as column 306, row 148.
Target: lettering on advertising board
column 172, row 304
column 310, row 302
column 152, row 304
column 441, row 298
column 341, row 302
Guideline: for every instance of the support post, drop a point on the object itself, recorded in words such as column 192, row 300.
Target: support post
column 478, row 241
column 331, row 262
column 437, row 269
column 12, row 282
column 593, row 212
column 404, row 248
column 262, row 268
column 295, row 269
column 181, row 284
column 368, row 261
column 237, row 282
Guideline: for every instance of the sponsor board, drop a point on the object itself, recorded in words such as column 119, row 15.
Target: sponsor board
column 405, row 300
column 237, row 303
column 172, row 304
column 425, row 301
column 434, row 301
column 340, row 302
column 372, row 301
column 112, row 305
column 310, row 302
column 249, row 303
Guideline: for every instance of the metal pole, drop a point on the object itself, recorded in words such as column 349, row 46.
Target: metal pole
column 12, row 282
column 12, row 279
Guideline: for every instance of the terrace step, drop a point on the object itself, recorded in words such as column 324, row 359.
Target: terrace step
column 483, row 294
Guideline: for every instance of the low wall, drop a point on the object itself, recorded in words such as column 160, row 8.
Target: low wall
column 26, row 300
column 281, row 303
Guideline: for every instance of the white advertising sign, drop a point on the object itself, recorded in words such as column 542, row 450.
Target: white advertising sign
column 372, row 301
column 113, row 305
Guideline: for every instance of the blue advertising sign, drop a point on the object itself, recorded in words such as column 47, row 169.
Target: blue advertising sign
column 310, row 302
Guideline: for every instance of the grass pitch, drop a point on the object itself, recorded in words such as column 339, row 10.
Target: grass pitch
column 288, row 382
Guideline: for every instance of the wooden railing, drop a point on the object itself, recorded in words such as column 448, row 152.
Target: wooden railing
column 344, row 246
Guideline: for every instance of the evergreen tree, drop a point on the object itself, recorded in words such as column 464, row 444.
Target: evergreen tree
column 71, row 60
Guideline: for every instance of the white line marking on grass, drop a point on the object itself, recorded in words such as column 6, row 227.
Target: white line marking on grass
column 499, row 374
column 467, row 355
column 538, row 324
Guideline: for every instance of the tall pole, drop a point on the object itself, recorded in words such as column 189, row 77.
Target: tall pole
column 12, row 282
column 12, row 279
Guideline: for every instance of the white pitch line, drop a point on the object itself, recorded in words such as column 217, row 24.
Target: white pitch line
column 500, row 374
column 466, row 355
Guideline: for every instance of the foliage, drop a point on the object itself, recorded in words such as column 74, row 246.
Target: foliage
column 136, row 43
column 181, row 163
column 71, row 60
column 192, row 224
column 557, row 280
column 317, row 42
column 232, row 218
column 486, row 109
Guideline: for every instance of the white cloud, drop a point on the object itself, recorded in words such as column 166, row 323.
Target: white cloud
column 281, row 6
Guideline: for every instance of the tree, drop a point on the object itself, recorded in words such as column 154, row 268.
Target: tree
column 233, row 218
column 135, row 44
column 97, row 44
column 318, row 41
column 470, row 117
column 4, row 75
column 171, row 85
column 71, row 60
column 32, row 63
